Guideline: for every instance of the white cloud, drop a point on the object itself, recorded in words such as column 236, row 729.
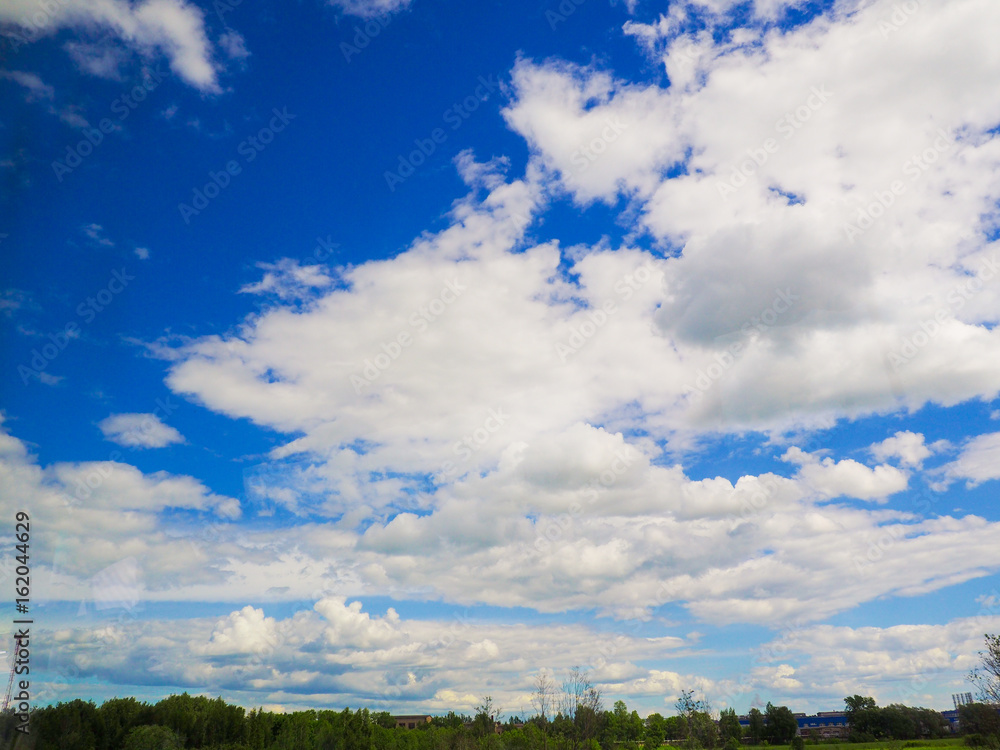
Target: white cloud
column 370, row 8
column 174, row 28
column 438, row 664
column 978, row 462
column 96, row 514
column 907, row 446
column 139, row 431
column 910, row 664
column 96, row 233
column 287, row 279
column 247, row 631
column 805, row 319
column 233, row 44
column 847, row 478
column 512, row 386
column 37, row 89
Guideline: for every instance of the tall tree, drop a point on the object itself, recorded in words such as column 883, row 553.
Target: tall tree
column 544, row 696
column 656, row 731
column 863, row 717
column 701, row 729
column 781, row 724
column 729, row 725
column 756, row 727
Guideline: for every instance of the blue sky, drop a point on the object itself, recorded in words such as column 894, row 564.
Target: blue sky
column 387, row 352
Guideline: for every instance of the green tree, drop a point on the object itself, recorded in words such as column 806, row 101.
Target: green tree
column 152, row 738
column 656, row 731
column 900, row 722
column 781, row 724
column 729, row 725
column 756, row 728
column 618, row 721
column 675, row 727
column 863, row 718
column 701, row 729
column 979, row 718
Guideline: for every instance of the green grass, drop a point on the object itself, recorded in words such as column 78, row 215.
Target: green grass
column 944, row 742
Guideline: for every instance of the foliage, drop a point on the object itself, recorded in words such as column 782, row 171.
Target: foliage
column 986, row 676
column 980, row 719
column 780, row 723
column 755, row 728
column 152, row 738
column 863, row 718
column 729, row 726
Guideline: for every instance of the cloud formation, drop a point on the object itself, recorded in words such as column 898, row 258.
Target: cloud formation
column 139, row 431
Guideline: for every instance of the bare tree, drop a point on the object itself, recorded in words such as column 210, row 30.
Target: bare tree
column 582, row 703
column 544, row 695
column 986, row 676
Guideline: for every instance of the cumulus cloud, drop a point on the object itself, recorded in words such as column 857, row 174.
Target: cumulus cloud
column 458, row 414
column 978, row 462
column 907, row 446
column 437, row 664
column 95, row 515
column 139, row 431
column 848, row 478
column 246, row 631
column 762, row 164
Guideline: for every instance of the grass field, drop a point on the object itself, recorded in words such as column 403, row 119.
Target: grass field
column 941, row 744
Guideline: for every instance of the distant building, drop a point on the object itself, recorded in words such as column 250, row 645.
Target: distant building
column 952, row 718
column 411, row 721
column 825, row 724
